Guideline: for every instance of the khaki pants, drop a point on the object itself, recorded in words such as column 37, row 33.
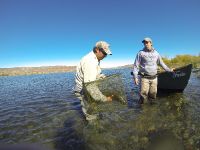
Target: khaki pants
column 148, row 90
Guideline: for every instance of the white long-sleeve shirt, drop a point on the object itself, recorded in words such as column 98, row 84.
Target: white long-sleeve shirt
column 89, row 70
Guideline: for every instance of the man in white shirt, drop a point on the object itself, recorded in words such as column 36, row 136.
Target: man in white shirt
column 89, row 70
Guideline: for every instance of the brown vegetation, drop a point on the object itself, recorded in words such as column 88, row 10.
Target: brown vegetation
column 35, row 70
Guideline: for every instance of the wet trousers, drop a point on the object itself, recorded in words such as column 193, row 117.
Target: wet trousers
column 148, row 89
column 84, row 106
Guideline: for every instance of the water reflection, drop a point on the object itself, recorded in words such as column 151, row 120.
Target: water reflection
column 42, row 109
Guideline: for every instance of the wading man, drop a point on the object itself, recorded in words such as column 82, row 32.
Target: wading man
column 89, row 70
column 145, row 65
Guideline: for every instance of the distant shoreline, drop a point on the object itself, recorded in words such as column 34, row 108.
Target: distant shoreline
column 41, row 70
column 35, row 70
column 17, row 71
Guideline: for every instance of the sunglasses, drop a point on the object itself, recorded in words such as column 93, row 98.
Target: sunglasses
column 102, row 50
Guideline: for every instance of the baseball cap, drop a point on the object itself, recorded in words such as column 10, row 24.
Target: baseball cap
column 147, row 39
column 105, row 46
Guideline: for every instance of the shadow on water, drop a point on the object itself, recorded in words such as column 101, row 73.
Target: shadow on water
column 164, row 140
column 68, row 138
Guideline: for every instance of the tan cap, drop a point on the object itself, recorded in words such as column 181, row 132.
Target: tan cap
column 105, row 46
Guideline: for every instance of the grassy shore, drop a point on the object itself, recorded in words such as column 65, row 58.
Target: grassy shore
column 181, row 60
column 35, row 70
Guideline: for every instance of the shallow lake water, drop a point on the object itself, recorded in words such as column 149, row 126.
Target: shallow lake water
column 43, row 109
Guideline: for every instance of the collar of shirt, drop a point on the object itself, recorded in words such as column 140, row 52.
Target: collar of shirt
column 92, row 54
column 147, row 50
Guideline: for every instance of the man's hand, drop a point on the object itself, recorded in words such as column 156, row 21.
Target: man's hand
column 172, row 70
column 136, row 81
column 101, row 76
column 109, row 98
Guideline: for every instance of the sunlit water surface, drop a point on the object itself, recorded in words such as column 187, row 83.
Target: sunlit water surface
column 43, row 109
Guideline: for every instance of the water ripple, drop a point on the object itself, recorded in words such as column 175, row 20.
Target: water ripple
column 43, row 109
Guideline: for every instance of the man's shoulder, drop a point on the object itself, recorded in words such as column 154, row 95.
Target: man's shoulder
column 156, row 52
column 140, row 51
column 89, row 58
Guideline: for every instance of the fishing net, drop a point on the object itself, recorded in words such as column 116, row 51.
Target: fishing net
column 110, row 85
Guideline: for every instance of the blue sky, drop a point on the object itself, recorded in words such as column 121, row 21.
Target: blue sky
column 60, row 32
